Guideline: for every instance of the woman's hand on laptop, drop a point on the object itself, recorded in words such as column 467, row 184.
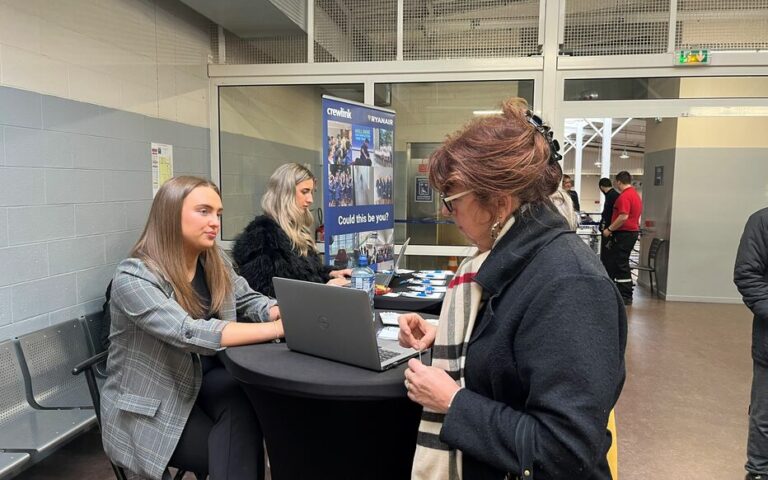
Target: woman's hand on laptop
column 339, row 281
column 345, row 273
column 415, row 332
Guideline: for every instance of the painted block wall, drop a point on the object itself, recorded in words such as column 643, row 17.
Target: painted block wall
column 85, row 87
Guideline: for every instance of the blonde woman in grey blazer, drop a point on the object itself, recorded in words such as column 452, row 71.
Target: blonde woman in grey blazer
column 175, row 303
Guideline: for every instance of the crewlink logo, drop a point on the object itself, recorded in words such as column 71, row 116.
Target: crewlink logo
column 339, row 112
column 385, row 121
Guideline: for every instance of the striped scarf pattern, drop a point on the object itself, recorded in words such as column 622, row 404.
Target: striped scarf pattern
column 434, row 460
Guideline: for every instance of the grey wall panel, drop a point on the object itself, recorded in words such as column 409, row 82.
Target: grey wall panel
column 20, row 108
column 3, row 227
column 118, row 245
column 73, row 186
column 100, row 218
column 76, row 194
column 64, row 115
column 38, row 224
column 75, row 254
column 137, row 213
column 24, row 263
column 127, row 185
column 22, row 186
column 92, row 283
column 5, row 306
column 42, row 296
column 24, row 147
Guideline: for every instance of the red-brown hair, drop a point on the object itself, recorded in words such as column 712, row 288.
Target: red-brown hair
column 497, row 155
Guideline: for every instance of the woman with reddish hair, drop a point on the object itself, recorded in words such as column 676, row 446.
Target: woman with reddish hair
column 528, row 358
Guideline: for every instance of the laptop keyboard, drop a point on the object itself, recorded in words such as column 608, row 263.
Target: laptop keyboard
column 385, row 355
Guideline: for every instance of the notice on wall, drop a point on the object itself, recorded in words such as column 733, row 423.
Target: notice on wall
column 162, row 165
column 423, row 190
column 358, row 175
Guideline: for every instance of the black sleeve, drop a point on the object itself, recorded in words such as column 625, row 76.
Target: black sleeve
column 259, row 259
column 749, row 273
column 573, row 364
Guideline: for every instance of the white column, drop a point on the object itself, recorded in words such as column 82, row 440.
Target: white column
column 578, row 150
column 605, row 168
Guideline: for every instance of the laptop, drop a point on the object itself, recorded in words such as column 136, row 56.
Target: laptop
column 385, row 278
column 334, row 323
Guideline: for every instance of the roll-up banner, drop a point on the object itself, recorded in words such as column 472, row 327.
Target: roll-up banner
column 358, row 175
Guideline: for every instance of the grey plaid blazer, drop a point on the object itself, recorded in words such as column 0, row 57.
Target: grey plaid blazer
column 153, row 369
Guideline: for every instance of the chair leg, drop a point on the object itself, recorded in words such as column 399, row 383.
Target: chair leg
column 650, row 279
column 119, row 473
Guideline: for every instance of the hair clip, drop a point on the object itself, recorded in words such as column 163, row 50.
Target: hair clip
column 554, row 145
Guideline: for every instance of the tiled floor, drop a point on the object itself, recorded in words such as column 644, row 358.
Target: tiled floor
column 682, row 415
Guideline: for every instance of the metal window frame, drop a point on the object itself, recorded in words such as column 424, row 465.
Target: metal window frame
column 549, row 71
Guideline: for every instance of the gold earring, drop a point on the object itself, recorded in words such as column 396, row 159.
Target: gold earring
column 495, row 230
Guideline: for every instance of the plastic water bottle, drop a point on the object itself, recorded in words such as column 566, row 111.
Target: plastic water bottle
column 363, row 278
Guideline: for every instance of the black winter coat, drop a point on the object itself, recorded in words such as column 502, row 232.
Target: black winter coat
column 751, row 278
column 263, row 251
column 545, row 362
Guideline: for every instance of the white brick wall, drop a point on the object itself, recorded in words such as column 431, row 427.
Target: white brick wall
column 142, row 56
column 85, row 86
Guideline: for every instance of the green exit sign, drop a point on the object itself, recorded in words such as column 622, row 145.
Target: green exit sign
column 693, row 57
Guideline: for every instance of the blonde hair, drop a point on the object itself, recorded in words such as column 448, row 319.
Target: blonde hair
column 161, row 248
column 279, row 203
column 564, row 205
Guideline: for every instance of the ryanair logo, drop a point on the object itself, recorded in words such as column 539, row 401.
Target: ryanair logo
column 385, row 121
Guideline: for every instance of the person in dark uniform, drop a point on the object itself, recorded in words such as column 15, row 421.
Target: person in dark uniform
column 750, row 277
column 606, row 186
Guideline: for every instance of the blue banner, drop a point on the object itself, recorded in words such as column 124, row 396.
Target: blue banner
column 358, row 175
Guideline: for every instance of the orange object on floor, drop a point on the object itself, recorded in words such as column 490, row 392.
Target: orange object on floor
column 613, row 452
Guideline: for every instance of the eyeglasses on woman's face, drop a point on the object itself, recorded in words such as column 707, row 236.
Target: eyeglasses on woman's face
column 448, row 201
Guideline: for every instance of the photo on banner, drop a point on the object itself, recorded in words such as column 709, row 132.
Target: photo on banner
column 359, row 173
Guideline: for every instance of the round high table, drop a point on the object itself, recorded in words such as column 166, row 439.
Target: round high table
column 322, row 419
column 407, row 304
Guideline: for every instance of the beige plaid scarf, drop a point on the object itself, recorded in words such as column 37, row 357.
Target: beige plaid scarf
column 434, row 460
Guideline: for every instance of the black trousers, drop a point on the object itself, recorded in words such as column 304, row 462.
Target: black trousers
column 616, row 260
column 757, row 441
column 222, row 437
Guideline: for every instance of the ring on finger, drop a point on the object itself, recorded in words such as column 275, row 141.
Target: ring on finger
column 407, row 384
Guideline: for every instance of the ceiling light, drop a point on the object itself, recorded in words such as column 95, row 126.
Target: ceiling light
column 624, row 155
column 486, row 112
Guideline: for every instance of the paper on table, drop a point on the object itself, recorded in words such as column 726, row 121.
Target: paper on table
column 431, row 276
column 389, row 333
column 437, row 272
column 389, row 318
column 418, row 281
column 403, row 271
column 420, row 288
column 422, row 295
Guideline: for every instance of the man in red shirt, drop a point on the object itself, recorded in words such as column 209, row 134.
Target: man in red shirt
column 621, row 235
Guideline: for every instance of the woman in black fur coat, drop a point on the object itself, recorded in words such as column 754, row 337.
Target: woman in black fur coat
column 280, row 242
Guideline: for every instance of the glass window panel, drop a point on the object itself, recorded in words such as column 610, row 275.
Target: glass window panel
column 656, row 88
column 426, row 114
column 261, row 128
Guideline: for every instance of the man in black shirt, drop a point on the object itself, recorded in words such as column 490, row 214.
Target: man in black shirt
column 610, row 198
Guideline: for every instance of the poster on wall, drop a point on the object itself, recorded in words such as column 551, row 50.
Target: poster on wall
column 358, row 173
column 162, row 165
